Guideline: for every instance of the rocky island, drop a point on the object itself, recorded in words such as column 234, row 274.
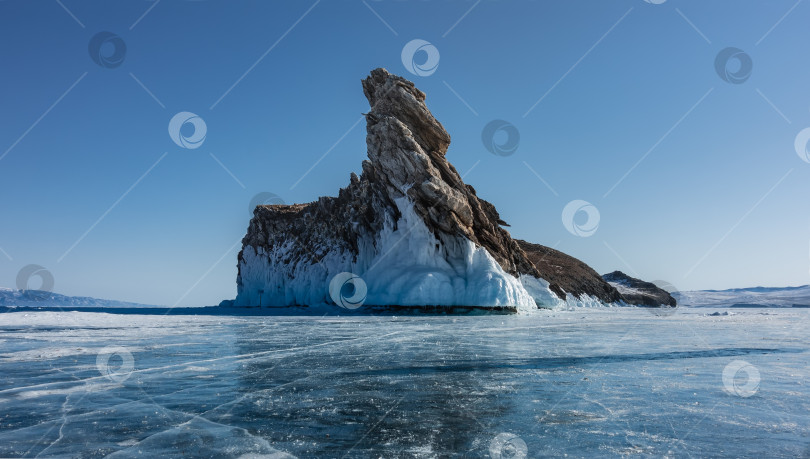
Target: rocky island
column 408, row 232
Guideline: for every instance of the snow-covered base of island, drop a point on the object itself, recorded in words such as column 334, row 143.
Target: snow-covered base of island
column 547, row 299
column 406, row 266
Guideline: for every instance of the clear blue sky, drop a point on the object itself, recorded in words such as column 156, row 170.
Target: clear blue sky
column 617, row 77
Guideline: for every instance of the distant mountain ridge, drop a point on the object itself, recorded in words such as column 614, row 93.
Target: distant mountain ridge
column 777, row 297
column 40, row 298
column 758, row 289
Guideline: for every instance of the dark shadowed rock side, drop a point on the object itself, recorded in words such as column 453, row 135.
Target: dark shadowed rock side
column 407, row 227
column 639, row 292
column 566, row 274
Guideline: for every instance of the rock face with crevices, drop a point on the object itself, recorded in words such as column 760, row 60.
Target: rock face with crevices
column 407, row 147
column 408, row 226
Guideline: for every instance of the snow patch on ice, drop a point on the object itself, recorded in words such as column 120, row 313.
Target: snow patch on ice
column 625, row 289
column 49, row 353
column 79, row 388
column 202, row 437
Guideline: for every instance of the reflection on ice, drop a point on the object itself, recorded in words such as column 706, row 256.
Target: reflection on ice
column 608, row 383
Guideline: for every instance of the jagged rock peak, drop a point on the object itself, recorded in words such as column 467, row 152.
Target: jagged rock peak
column 406, row 147
column 392, row 95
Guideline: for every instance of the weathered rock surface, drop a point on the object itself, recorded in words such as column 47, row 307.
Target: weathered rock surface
column 567, row 274
column 407, row 146
column 408, row 226
column 639, row 292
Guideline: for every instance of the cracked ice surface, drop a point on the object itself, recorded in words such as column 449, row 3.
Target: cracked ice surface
column 608, row 382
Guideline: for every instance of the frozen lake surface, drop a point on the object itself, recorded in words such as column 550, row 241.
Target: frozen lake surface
column 595, row 382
